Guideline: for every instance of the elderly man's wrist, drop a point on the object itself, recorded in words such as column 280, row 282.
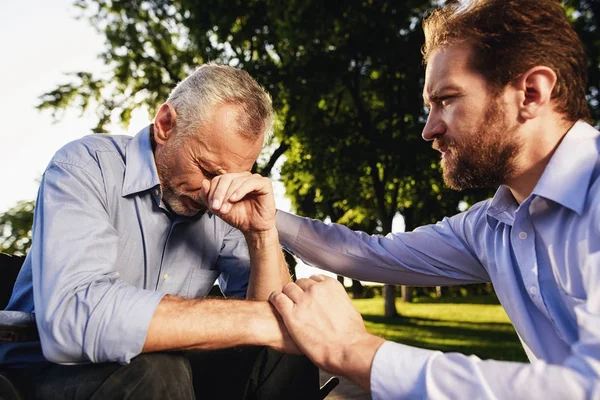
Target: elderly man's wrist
column 265, row 327
column 261, row 240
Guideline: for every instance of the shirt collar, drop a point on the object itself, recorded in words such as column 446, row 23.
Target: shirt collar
column 567, row 176
column 140, row 168
column 503, row 206
column 565, row 179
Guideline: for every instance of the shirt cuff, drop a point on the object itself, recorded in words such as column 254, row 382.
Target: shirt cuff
column 398, row 371
column 118, row 335
column 288, row 226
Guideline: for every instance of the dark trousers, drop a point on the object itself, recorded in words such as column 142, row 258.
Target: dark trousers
column 252, row 373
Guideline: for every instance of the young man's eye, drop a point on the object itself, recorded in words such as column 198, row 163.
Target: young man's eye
column 445, row 101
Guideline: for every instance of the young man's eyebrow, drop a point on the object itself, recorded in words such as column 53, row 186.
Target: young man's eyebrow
column 438, row 94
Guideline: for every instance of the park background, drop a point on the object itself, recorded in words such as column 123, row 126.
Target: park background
column 346, row 80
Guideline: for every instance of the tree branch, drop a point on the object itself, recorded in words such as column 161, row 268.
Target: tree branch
column 266, row 170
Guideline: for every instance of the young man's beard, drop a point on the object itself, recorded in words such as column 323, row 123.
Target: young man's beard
column 484, row 157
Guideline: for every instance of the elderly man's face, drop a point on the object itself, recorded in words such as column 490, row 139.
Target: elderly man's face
column 472, row 127
column 182, row 164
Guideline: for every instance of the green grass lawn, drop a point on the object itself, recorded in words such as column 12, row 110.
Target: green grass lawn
column 468, row 326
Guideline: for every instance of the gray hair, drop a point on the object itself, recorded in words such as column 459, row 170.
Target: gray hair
column 213, row 85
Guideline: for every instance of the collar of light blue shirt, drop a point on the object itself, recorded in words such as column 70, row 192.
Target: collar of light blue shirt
column 140, row 170
column 565, row 179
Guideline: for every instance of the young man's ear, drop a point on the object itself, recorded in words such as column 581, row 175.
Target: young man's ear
column 535, row 91
column 164, row 123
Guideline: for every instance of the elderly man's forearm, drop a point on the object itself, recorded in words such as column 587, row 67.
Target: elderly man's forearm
column 268, row 269
column 210, row 324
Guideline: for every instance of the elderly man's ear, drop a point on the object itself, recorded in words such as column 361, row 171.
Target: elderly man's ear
column 164, row 123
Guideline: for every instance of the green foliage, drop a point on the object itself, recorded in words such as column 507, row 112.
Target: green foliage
column 346, row 80
column 585, row 17
column 147, row 53
column 470, row 327
column 359, row 113
column 15, row 228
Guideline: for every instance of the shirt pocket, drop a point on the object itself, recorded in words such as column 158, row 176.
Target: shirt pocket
column 201, row 282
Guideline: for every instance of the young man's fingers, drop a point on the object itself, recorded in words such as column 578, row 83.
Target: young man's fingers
column 305, row 283
column 282, row 303
column 330, row 283
column 294, row 292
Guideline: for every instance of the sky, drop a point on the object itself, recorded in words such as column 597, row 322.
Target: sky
column 42, row 41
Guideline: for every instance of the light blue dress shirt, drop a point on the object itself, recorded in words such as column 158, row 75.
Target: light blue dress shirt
column 542, row 256
column 106, row 250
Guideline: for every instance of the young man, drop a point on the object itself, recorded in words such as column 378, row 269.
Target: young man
column 505, row 87
column 124, row 250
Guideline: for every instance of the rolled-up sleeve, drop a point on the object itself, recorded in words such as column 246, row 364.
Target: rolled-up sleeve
column 83, row 311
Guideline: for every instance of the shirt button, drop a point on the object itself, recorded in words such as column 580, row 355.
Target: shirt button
column 522, row 235
column 166, row 277
column 533, row 290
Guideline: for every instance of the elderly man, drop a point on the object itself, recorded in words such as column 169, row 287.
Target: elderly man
column 505, row 87
column 124, row 249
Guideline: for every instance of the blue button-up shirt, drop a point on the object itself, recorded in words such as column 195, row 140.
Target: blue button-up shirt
column 542, row 256
column 105, row 251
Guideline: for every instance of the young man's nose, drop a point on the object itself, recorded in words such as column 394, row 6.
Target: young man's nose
column 433, row 128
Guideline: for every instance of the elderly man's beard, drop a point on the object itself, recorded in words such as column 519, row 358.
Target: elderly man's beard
column 178, row 201
column 485, row 156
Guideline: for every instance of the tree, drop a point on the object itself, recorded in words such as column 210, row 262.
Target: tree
column 585, row 17
column 15, row 228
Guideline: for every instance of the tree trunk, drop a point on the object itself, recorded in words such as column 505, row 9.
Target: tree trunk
column 389, row 296
column 409, row 218
column 358, row 290
column 389, row 291
column 266, row 170
column 407, row 294
column 438, row 291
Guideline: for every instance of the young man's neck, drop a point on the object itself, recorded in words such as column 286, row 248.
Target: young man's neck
column 539, row 145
